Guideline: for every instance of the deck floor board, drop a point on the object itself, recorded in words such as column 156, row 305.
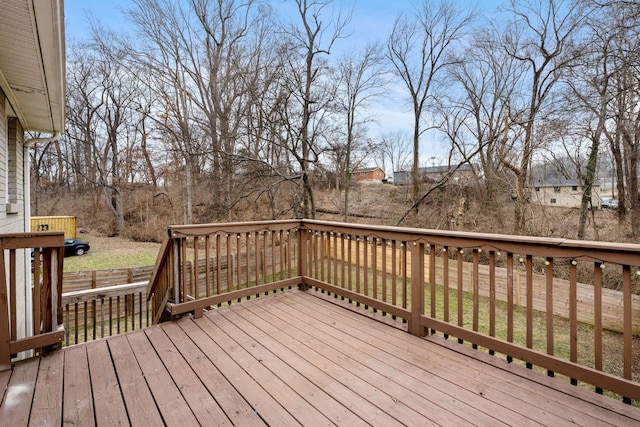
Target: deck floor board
column 107, row 399
column 289, row 359
column 46, row 409
column 77, row 402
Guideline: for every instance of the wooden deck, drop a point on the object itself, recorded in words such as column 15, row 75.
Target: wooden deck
column 289, row 359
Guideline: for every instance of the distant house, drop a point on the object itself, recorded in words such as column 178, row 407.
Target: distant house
column 566, row 193
column 368, row 174
column 464, row 173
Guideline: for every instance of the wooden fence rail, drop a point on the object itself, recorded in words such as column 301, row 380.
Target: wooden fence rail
column 81, row 280
column 96, row 313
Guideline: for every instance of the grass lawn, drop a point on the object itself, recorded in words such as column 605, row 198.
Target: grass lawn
column 112, row 252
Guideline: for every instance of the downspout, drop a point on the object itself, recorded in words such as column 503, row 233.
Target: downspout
column 26, row 189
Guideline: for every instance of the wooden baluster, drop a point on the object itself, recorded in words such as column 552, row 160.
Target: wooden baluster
column 383, row 245
column 13, row 293
column 597, row 319
column 403, row 260
column 432, row 281
column 247, row 256
column 417, row 289
column 256, row 237
column 573, row 315
column 218, row 267
column 394, row 275
column 207, row 265
column 365, row 266
column 374, row 267
column 229, row 264
column 510, row 305
column 238, row 263
column 281, row 237
column 460, row 273
column 445, row 284
column 349, row 262
column 358, row 267
column 627, row 334
column 549, row 308
column 5, row 330
column 492, row 296
column 196, row 267
column 476, row 291
column 529, row 280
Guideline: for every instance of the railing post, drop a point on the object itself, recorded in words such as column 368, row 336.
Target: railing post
column 177, row 289
column 303, row 239
column 417, row 289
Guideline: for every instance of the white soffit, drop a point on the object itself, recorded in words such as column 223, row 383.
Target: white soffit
column 32, row 62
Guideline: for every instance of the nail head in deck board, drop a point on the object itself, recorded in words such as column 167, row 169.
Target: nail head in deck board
column 263, row 402
column 107, row 398
column 77, row 403
column 47, row 400
column 237, row 409
column 19, row 393
column 302, row 410
column 141, row 407
column 171, row 403
column 200, row 401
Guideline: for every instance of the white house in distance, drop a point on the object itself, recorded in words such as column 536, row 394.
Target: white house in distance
column 32, row 98
column 566, row 193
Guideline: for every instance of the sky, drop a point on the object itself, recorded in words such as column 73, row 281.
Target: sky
column 372, row 21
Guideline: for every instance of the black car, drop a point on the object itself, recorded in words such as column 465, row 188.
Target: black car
column 75, row 247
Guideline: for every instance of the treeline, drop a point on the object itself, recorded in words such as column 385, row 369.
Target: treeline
column 214, row 106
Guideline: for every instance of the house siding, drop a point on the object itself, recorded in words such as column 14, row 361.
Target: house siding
column 12, row 189
column 564, row 196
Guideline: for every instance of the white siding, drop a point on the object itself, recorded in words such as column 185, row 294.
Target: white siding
column 12, row 180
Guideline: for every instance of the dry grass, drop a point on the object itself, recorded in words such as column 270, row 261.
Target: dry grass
column 112, row 252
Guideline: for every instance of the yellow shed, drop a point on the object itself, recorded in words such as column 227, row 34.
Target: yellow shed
column 55, row 223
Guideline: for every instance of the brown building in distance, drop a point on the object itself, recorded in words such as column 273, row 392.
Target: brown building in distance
column 368, row 174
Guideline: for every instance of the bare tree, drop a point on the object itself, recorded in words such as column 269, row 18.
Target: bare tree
column 541, row 37
column 489, row 79
column 310, row 40
column 419, row 48
column 624, row 134
column 589, row 99
column 360, row 79
column 395, row 148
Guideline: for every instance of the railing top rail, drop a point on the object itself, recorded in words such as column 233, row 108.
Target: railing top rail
column 106, row 292
column 160, row 260
column 620, row 253
column 176, row 231
column 45, row 239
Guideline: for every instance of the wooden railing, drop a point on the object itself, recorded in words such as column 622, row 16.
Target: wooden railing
column 90, row 314
column 208, row 265
column 45, row 315
column 524, row 298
